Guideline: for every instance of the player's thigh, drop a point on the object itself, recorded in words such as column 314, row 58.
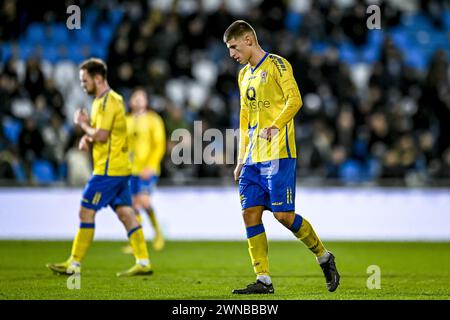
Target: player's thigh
column 252, row 192
column 122, row 196
column 142, row 201
column 141, row 190
column 281, row 186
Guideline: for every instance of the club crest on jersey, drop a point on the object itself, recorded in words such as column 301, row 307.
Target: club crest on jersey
column 264, row 77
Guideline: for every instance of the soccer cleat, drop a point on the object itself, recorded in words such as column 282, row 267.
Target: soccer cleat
column 158, row 242
column 65, row 268
column 257, row 287
column 127, row 250
column 331, row 274
column 136, row 270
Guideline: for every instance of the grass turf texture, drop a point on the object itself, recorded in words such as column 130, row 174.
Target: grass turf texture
column 210, row 270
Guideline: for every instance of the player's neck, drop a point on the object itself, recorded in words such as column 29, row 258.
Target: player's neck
column 140, row 112
column 257, row 57
column 101, row 90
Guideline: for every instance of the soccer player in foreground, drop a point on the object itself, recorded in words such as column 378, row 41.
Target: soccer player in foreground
column 266, row 167
column 109, row 184
column 147, row 142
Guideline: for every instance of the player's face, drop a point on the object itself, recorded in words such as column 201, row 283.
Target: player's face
column 239, row 49
column 87, row 82
column 138, row 101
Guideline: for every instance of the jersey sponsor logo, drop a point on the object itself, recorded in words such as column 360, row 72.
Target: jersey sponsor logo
column 255, row 104
column 277, row 203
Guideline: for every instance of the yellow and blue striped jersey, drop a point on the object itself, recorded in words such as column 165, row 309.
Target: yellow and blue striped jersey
column 110, row 157
column 147, row 141
column 269, row 97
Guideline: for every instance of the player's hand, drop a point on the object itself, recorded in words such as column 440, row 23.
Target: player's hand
column 80, row 116
column 147, row 173
column 237, row 171
column 268, row 133
column 85, row 143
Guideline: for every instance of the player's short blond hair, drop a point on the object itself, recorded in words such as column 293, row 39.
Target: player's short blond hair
column 237, row 29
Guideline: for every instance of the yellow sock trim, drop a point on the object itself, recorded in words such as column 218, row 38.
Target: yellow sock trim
column 81, row 243
column 258, row 250
column 307, row 235
column 137, row 242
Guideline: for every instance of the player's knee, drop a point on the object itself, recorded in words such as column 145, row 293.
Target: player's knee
column 86, row 215
column 252, row 216
column 285, row 218
column 124, row 215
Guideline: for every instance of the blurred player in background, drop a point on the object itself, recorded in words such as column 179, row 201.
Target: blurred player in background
column 266, row 167
column 106, row 132
column 147, row 145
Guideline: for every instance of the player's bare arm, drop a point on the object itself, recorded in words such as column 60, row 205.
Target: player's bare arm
column 81, row 119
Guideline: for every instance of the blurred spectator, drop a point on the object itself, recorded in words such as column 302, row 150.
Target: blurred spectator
column 34, row 78
column 31, row 144
column 79, row 168
column 55, row 137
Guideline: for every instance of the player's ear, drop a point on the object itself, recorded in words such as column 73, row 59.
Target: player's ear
column 98, row 78
column 248, row 39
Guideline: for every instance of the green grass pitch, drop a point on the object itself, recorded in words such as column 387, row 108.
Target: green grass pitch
column 210, row 270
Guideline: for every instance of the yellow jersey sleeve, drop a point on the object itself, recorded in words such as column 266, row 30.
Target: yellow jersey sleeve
column 285, row 79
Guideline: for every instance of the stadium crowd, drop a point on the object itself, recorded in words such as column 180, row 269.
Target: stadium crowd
column 376, row 102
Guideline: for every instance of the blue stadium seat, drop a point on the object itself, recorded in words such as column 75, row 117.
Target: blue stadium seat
column 12, row 129
column 75, row 52
column 105, row 33
column 26, row 49
column 400, row 38
column 373, row 168
column 348, row 53
column 293, row 21
column 99, row 52
column 51, row 53
column 115, row 16
column 370, row 53
column 318, row 47
column 36, row 33
column 89, row 17
column 43, row 172
column 62, row 171
column 417, row 22
column 446, row 19
column 84, row 35
column 415, row 58
column 350, row 171
column 375, row 37
column 19, row 172
column 59, row 33
column 5, row 51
